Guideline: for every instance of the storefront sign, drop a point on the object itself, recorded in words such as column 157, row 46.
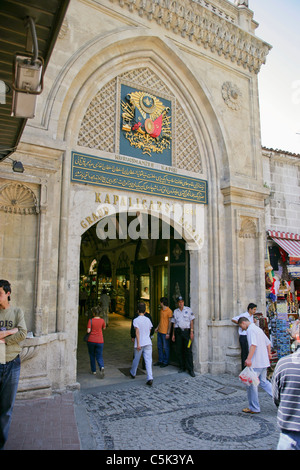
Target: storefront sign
column 121, row 175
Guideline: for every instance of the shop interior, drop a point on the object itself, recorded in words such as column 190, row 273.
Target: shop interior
column 130, row 271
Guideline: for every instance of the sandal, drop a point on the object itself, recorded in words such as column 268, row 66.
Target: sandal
column 247, row 410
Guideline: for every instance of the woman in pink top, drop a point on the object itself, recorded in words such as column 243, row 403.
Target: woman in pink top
column 95, row 343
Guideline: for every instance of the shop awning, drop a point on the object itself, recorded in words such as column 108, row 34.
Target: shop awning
column 289, row 242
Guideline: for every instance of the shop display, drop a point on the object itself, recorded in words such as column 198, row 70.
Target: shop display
column 280, row 335
column 282, row 282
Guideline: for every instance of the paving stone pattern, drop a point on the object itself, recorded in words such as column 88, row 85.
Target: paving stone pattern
column 179, row 413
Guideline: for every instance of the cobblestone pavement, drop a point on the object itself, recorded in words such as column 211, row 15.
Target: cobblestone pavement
column 177, row 413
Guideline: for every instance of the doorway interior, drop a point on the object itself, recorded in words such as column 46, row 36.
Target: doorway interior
column 130, row 270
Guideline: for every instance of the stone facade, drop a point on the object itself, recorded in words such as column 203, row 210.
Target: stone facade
column 204, row 57
column 282, row 177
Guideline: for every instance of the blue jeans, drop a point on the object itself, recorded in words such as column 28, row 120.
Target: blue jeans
column 163, row 348
column 289, row 440
column 147, row 354
column 9, row 381
column 252, row 391
column 96, row 355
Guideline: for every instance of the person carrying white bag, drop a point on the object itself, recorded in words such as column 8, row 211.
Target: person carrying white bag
column 249, row 377
column 259, row 359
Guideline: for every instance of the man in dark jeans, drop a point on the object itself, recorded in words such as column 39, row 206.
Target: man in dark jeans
column 12, row 331
column 183, row 335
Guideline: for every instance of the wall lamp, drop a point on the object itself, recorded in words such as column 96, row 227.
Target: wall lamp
column 27, row 77
column 17, row 166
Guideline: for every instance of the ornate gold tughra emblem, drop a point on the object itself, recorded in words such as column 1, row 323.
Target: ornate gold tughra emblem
column 146, row 122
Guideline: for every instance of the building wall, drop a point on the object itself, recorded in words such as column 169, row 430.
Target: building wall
column 205, row 57
column 282, row 178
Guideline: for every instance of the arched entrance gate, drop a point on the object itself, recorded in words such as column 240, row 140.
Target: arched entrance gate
column 144, row 267
column 170, row 190
column 136, row 255
column 154, row 104
column 141, row 98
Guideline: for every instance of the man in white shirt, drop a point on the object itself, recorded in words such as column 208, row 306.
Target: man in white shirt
column 259, row 359
column 251, row 310
column 142, row 343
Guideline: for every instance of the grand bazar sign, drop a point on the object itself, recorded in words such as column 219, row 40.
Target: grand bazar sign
column 120, row 216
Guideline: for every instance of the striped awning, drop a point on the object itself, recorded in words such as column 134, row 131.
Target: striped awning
column 289, row 242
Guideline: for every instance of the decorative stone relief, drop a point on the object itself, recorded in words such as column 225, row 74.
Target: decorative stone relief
column 17, row 198
column 241, row 3
column 98, row 125
column 209, row 27
column 28, row 352
column 248, row 229
column 232, row 95
column 64, row 29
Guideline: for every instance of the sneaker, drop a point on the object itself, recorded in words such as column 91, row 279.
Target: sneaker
column 102, row 373
column 150, row 382
column 132, row 376
column 93, row 373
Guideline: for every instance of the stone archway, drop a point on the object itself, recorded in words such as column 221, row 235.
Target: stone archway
column 205, row 133
column 122, row 254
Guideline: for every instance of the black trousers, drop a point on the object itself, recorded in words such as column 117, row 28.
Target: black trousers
column 244, row 348
column 184, row 354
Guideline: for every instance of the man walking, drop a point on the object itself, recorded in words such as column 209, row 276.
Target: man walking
column 12, row 331
column 259, row 359
column 163, row 333
column 251, row 310
column 104, row 302
column 286, row 395
column 142, row 343
column 183, row 335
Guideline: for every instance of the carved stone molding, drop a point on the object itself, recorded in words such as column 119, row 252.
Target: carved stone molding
column 206, row 25
column 28, row 352
column 17, row 198
column 248, row 229
column 64, row 29
column 241, row 3
column 232, row 95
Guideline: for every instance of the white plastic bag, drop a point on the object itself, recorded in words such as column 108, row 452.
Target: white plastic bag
column 249, row 377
